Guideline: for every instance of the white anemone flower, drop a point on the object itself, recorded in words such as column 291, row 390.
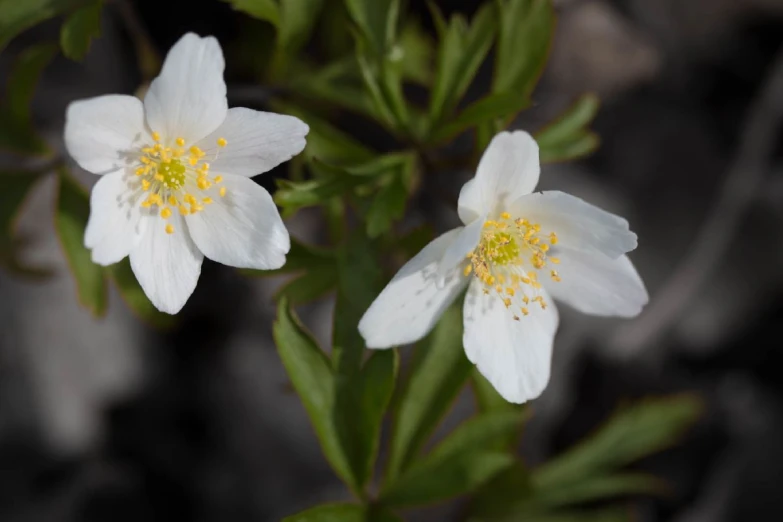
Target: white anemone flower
column 517, row 251
column 175, row 175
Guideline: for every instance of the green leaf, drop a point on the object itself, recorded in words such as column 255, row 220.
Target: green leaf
column 16, row 132
column 19, row 15
column 376, row 20
column 310, row 372
column 417, row 51
column 612, row 514
column 503, row 105
column 79, row 29
column 526, row 30
column 632, row 433
column 262, row 9
column 14, row 189
column 70, row 220
column 461, row 51
column 343, row 513
column 293, row 196
column 300, row 257
column 297, row 18
column 313, row 284
column 594, row 488
column 487, row 397
column 567, row 137
column 134, row 296
column 387, row 206
column 460, row 464
column 439, row 369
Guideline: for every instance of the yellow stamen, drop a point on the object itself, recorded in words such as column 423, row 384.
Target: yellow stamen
column 165, row 213
column 221, row 142
column 155, row 136
column 169, row 228
column 222, row 191
column 180, row 142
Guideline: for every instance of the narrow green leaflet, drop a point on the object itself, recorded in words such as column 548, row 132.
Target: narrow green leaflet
column 494, row 106
column 567, row 137
column 438, row 371
column 70, row 220
column 614, row 514
column 387, row 206
column 16, row 132
column 632, row 433
column 417, row 50
column 14, row 189
column 262, row 9
column 343, row 513
column 134, row 296
column 595, row 488
column 79, row 29
column 460, row 464
column 376, row 20
column 461, row 51
column 310, row 372
column 487, row 397
column 18, row 15
column 526, row 30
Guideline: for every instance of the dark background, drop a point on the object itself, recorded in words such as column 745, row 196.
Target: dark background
column 110, row 420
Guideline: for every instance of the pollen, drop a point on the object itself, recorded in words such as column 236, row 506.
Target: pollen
column 221, row 142
column 165, row 213
column 222, row 191
column 180, row 142
column 169, row 228
column 511, row 252
column 155, row 136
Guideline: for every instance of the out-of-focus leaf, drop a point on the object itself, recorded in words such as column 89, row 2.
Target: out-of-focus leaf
column 632, row 433
column 79, row 29
column 487, row 397
column 502, row 105
column 417, row 51
column 18, row 15
column 460, row 464
column 343, row 513
column 595, row 488
column 134, row 296
column 509, row 492
column 370, row 72
column 14, row 189
column 311, row 374
column 297, row 18
column 567, row 137
column 293, row 196
column 324, row 141
column 412, row 242
column 613, row 514
column 387, row 206
column 461, row 51
column 376, row 20
column 16, row 132
column 526, row 30
column 262, row 9
column 70, row 220
column 438, row 371
column 316, row 282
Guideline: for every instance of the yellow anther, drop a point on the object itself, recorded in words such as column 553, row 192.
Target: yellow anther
column 172, row 201
column 499, row 289
column 169, row 228
column 165, row 213
column 159, row 177
column 555, row 276
column 141, row 171
column 218, row 179
column 221, row 142
column 544, row 247
column 555, row 260
column 180, row 142
column 157, row 147
column 222, row 191
column 196, row 208
column 507, row 302
column 505, row 215
column 195, row 151
column 145, row 160
column 192, row 161
column 207, row 201
column 183, row 210
column 468, row 270
column 145, row 185
column 190, row 198
column 553, row 238
column 510, row 291
column 156, row 136
column 526, row 299
column 525, row 311
column 178, row 153
column 203, row 183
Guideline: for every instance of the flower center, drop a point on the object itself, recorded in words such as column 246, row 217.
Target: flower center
column 176, row 179
column 508, row 259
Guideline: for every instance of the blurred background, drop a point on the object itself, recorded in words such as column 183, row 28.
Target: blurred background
column 110, row 419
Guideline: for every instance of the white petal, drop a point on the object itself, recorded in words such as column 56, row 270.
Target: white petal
column 167, row 265
column 578, row 224
column 100, row 132
column 508, row 169
column 257, row 141
column 515, row 356
column 596, row 285
column 188, row 99
column 463, row 244
column 241, row 229
column 115, row 226
column 410, row 305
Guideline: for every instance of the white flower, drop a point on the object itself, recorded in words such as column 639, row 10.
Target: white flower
column 175, row 175
column 516, row 251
